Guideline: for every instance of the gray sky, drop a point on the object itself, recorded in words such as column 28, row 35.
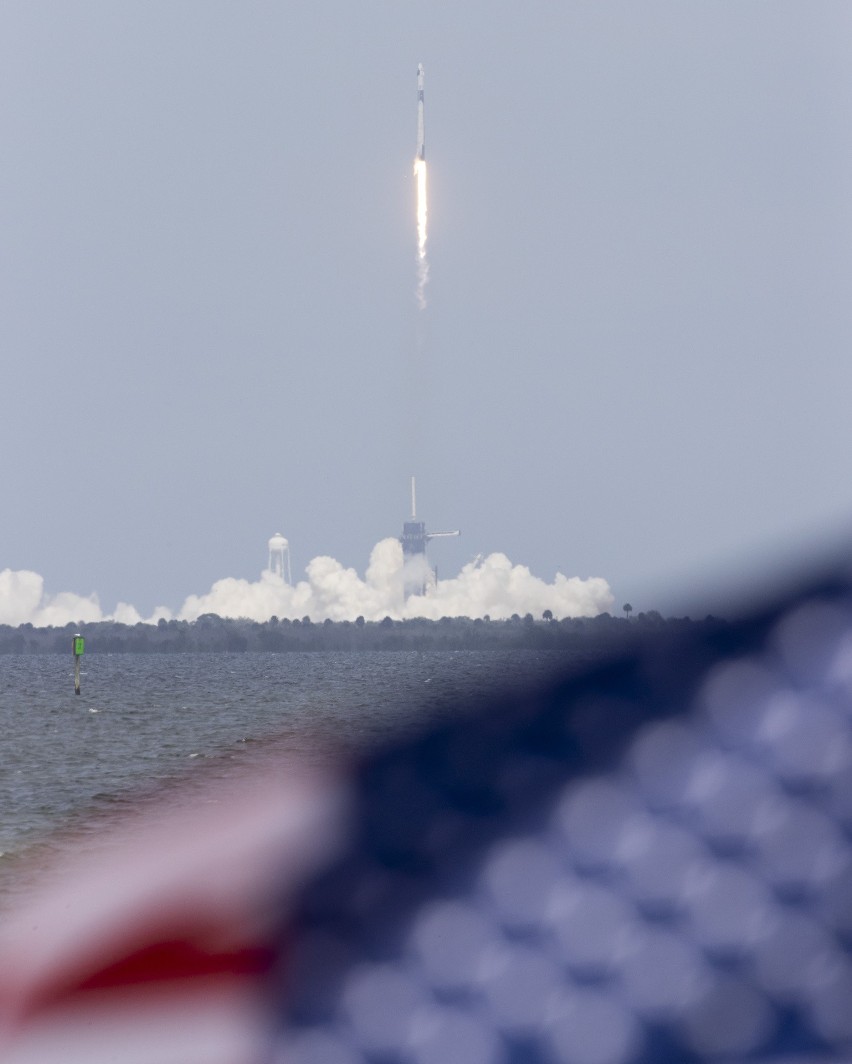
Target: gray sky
column 634, row 362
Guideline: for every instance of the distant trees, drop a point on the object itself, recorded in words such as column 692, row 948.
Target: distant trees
column 576, row 638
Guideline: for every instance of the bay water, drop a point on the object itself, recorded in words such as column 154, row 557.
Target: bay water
column 145, row 721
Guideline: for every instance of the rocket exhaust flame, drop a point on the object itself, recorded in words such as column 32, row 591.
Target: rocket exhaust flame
column 420, row 185
column 422, row 214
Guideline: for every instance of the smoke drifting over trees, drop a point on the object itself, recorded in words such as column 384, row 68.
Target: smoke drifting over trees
column 490, row 586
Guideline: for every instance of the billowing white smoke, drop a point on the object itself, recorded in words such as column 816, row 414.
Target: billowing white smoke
column 491, row 586
column 23, row 600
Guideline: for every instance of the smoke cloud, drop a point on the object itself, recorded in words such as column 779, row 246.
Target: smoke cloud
column 23, row 600
column 490, row 586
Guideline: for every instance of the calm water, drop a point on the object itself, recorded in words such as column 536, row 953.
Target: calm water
column 143, row 720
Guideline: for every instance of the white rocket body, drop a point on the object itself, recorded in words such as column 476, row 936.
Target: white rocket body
column 421, row 132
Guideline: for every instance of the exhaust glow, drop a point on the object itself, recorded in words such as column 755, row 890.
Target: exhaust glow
column 422, row 215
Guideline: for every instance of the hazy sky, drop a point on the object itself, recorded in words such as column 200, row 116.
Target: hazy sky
column 634, row 362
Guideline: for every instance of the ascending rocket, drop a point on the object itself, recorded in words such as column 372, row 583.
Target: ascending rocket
column 421, row 135
column 420, row 186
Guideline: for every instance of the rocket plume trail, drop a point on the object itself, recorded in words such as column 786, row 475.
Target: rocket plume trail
column 420, row 185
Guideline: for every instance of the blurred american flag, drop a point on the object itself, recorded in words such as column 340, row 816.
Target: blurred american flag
column 650, row 861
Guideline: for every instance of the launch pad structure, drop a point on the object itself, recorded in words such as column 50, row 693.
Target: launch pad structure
column 417, row 573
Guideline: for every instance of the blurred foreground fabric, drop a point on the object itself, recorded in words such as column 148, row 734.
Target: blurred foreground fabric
column 650, row 861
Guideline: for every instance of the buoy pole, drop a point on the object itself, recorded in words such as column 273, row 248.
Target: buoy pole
column 79, row 646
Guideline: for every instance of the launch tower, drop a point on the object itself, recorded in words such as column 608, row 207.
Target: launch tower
column 417, row 573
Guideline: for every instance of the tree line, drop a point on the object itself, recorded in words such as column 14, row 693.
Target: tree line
column 214, row 634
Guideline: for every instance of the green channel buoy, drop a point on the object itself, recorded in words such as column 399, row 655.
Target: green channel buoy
column 79, row 648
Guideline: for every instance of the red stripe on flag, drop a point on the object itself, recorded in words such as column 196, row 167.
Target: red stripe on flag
column 179, row 960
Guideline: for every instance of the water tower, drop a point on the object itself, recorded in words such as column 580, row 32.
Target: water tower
column 279, row 557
